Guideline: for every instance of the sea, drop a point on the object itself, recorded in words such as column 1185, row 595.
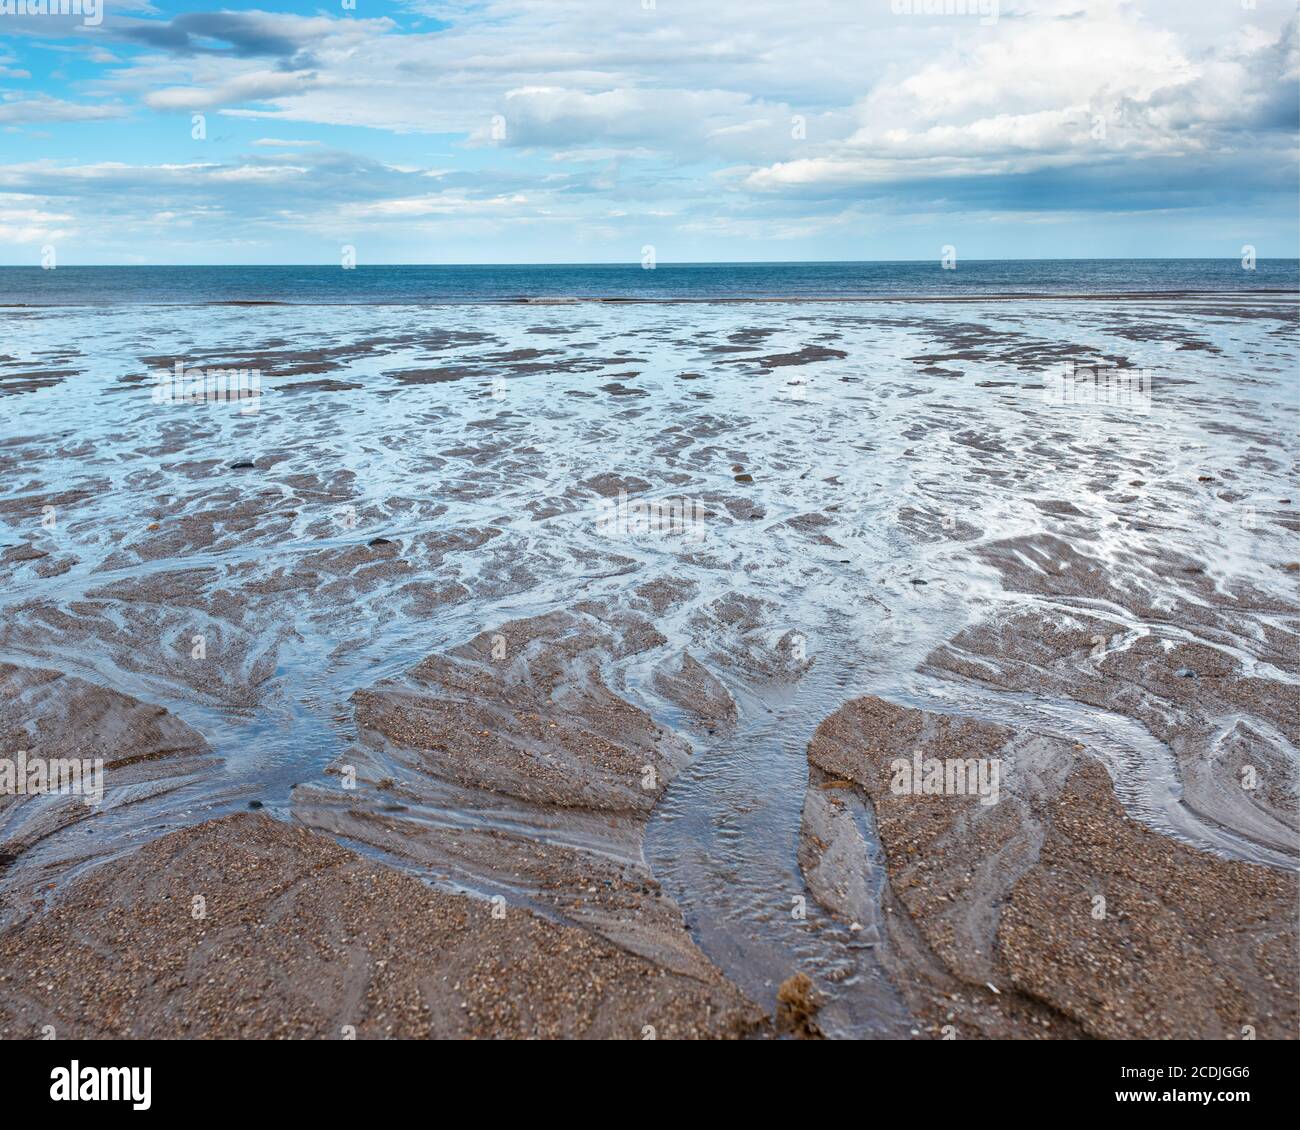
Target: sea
column 630, row 282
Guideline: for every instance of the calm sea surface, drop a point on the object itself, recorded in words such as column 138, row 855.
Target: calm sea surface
column 78, row 286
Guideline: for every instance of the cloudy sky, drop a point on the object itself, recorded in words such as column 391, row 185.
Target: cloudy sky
column 580, row 130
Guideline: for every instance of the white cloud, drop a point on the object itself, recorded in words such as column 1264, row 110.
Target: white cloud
column 750, row 121
column 43, row 108
column 1051, row 94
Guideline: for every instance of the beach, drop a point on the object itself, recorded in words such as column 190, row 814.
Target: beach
column 542, row 669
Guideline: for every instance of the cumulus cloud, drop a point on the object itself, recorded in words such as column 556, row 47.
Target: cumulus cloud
column 1061, row 93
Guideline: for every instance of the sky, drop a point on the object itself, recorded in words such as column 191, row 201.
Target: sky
column 528, row 131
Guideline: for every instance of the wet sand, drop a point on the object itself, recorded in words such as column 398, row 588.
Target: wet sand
column 389, row 610
column 992, row 923
column 300, row 938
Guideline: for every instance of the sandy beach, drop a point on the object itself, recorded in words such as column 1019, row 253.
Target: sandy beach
column 544, row 670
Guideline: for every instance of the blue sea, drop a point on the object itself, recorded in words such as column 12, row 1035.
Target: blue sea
column 198, row 285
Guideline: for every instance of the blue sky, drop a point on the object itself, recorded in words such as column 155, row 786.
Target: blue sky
column 583, row 130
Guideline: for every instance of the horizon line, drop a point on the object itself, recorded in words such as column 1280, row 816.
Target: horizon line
column 682, row 262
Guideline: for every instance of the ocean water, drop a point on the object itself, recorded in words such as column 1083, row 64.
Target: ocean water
column 383, row 285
